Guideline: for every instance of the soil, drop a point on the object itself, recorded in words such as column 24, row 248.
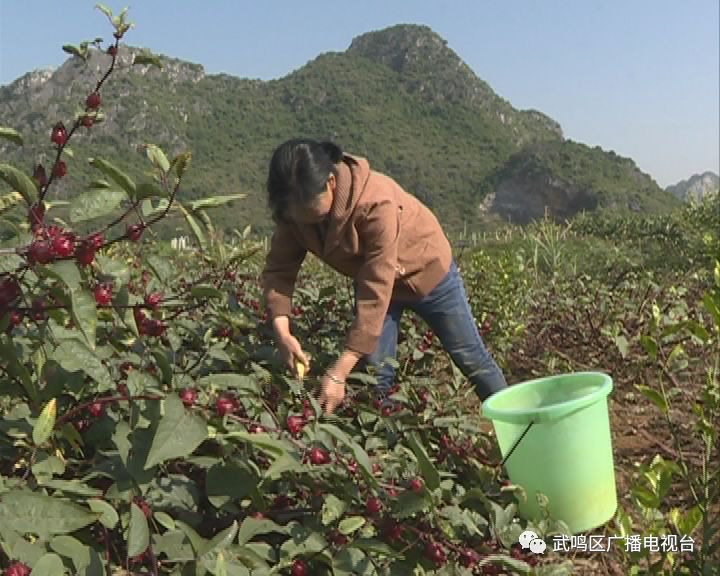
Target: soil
column 639, row 430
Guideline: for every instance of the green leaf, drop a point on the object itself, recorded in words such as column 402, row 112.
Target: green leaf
column 687, row 522
column 645, row 497
column 303, row 541
column 72, row 548
column 268, row 444
column 654, row 396
column 150, row 190
column 220, row 567
column 45, row 467
column 19, row 182
column 157, row 157
column 281, row 465
column 429, row 472
column 138, row 532
column 8, row 201
column 29, row 512
column 180, row 163
column 205, row 291
column 72, row 487
column 165, row 520
column 227, row 481
column 165, row 366
column 116, row 175
column 698, row 330
column 177, row 435
column 351, row 524
column 45, row 423
column 95, row 203
column 622, row 345
column 49, row 565
column 84, row 313
column 67, row 272
column 11, row 135
column 194, row 226
column 214, row 201
column 333, row 508
column 222, row 539
column 115, row 268
column 108, row 515
column 359, row 453
column 649, row 345
column 76, row 51
column 712, row 304
column 198, row 542
column 373, row 546
column 228, row 381
column 161, row 267
column 105, row 10
column 409, row 503
column 367, row 379
column 147, row 58
column 251, row 527
column 74, row 356
column 17, row 369
column 175, row 545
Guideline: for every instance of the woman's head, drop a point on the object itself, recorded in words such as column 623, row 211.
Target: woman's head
column 301, row 180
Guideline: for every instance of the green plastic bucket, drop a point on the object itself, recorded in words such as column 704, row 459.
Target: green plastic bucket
column 566, row 454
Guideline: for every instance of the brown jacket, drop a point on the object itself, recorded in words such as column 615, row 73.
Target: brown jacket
column 378, row 234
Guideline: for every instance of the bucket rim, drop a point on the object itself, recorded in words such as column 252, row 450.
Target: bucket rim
column 547, row 413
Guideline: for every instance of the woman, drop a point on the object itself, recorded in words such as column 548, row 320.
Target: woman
column 365, row 226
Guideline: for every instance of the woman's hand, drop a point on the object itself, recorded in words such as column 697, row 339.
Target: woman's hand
column 332, row 392
column 291, row 352
column 332, row 385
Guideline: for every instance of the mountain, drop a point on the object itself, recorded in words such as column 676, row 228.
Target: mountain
column 696, row 187
column 399, row 96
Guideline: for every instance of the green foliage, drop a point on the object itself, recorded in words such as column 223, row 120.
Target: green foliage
column 146, row 429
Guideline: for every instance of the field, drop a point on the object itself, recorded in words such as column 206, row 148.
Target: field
column 147, row 425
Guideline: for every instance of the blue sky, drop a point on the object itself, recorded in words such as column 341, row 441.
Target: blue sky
column 640, row 77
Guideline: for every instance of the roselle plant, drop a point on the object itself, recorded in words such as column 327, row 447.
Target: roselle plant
column 671, row 332
column 148, row 429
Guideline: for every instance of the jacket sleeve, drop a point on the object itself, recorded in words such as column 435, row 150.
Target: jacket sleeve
column 282, row 265
column 376, row 278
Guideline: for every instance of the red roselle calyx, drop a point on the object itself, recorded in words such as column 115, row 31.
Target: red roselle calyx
column 85, row 253
column 295, row 424
column 40, row 252
column 59, row 134
column 93, row 101
column 318, row 457
column 154, row 299
column 40, row 178
column 9, row 290
column 103, row 294
column 63, row 245
column 60, row 169
column 17, row 569
column 134, row 232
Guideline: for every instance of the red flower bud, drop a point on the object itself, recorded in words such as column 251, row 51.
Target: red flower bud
column 58, row 134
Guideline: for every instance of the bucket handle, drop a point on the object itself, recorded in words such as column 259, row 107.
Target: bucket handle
column 516, row 444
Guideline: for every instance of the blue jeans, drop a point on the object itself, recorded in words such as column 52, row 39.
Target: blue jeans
column 447, row 311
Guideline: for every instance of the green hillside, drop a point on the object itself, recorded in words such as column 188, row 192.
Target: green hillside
column 399, row 96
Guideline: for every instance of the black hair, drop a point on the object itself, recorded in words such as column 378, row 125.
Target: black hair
column 299, row 169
